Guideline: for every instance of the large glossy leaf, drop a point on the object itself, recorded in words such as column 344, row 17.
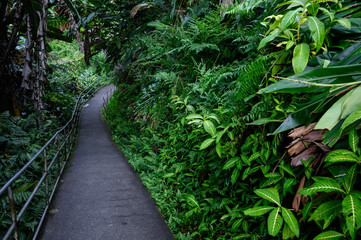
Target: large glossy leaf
column 235, row 175
column 306, row 211
column 318, row 31
column 353, row 140
column 351, row 207
column 352, row 103
column 313, row 9
column 231, row 163
column 301, row 54
column 291, row 221
column 352, row 118
column 194, row 116
column 258, row 211
column 322, row 185
column 289, row 18
column 333, row 114
column 191, row 200
column 209, row 127
column 274, row 222
column 269, row 38
column 342, row 155
column 350, row 178
column 355, row 27
column 206, row 143
column 329, row 235
column 307, row 113
column 330, row 75
column 270, row 194
column 327, row 212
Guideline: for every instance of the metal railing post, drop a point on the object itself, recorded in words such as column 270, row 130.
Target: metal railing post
column 46, row 172
column 13, row 212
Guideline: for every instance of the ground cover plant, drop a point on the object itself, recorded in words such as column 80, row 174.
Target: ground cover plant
column 243, row 120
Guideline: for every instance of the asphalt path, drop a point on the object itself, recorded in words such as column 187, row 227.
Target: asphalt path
column 100, row 195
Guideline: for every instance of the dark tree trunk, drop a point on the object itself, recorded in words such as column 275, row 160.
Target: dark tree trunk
column 8, row 73
column 87, row 51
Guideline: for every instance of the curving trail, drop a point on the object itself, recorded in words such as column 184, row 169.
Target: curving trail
column 101, row 197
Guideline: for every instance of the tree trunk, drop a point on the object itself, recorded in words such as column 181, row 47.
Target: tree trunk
column 87, row 51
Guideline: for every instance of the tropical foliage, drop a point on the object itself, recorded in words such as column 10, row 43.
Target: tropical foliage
column 205, row 103
column 242, row 118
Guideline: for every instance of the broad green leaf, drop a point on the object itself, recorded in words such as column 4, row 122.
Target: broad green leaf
column 289, row 18
column 329, row 235
column 269, row 38
column 274, row 222
column 330, row 75
column 287, row 186
column 352, row 118
column 209, row 127
column 356, row 194
column 291, row 221
column 231, row 163
column 325, row 11
column 351, row 208
column 333, row 114
column 194, row 116
column 352, row 103
column 258, row 211
column 313, row 9
column 306, row 211
column 344, row 22
column 323, row 185
column 239, row 164
column 168, row 175
column 287, row 168
column 270, row 194
column 317, row 30
column 191, row 200
column 219, row 149
column 236, row 224
column 294, row 2
column 350, row 178
column 342, row 155
column 327, row 212
column 353, row 140
column 301, row 54
column 249, row 171
column 263, row 121
column 235, row 175
column 287, row 233
column 206, row 143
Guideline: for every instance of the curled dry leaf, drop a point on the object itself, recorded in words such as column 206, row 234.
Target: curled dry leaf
column 297, row 199
column 136, row 8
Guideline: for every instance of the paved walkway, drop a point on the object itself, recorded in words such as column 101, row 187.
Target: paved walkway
column 101, row 197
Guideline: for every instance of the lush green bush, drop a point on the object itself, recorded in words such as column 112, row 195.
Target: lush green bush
column 201, row 114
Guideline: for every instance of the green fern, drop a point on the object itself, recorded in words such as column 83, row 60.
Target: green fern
column 252, row 76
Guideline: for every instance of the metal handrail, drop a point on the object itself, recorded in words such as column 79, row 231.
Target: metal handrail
column 67, row 132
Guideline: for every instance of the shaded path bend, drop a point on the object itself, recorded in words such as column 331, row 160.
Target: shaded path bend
column 101, row 197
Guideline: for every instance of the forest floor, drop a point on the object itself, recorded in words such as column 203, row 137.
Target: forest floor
column 101, row 197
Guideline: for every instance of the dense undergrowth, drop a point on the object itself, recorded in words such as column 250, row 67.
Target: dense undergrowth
column 21, row 137
column 205, row 104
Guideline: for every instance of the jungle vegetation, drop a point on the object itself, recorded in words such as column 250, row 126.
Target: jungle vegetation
column 242, row 118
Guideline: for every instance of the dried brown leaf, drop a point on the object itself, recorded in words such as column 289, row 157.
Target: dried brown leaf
column 310, row 152
column 301, row 131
